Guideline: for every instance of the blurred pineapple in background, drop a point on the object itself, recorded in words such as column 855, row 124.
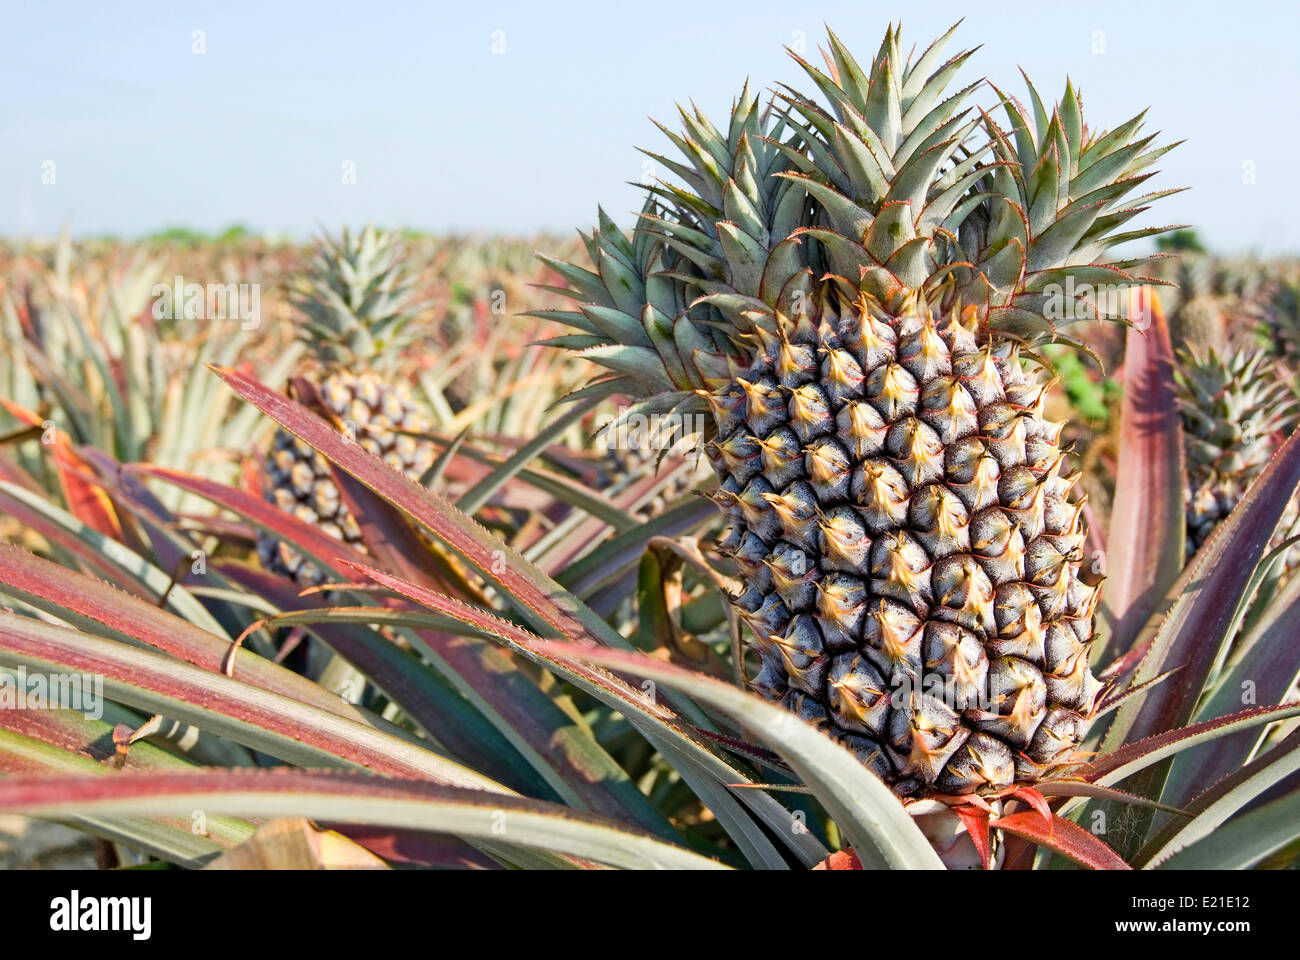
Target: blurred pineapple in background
column 620, row 465
column 1237, row 409
column 358, row 315
column 1215, row 300
column 1282, row 323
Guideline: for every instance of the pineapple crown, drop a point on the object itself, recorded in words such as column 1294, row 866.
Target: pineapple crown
column 1236, row 408
column 357, row 303
column 890, row 192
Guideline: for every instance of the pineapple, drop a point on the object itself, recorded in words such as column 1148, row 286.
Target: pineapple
column 623, row 464
column 1282, row 320
column 1217, row 300
column 358, row 314
column 846, row 291
column 1236, row 410
column 618, row 468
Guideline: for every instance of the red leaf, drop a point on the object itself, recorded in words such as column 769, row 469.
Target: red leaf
column 285, row 526
column 60, row 536
column 840, row 860
column 977, row 825
column 1035, row 800
column 1064, row 837
column 85, row 500
column 331, row 735
column 251, row 477
column 492, row 623
column 1122, row 666
column 416, row 849
column 33, row 578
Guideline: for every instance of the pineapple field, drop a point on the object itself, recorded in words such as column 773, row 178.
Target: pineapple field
column 891, row 491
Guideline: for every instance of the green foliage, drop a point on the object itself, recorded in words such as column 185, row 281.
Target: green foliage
column 233, row 235
column 1185, row 240
column 1091, row 396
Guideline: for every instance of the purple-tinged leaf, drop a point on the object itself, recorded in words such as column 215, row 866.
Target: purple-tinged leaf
column 76, row 732
column 1263, row 670
column 388, row 537
column 1209, row 594
column 481, row 492
column 1245, row 840
column 19, row 503
column 416, row 848
column 565, row 755
column 395, row 544
column 703, row 770
column 593, row 530
column 430, row 700
column 1082, row 788
column 867, row 813
column 622, row 554
column 169, row 549
column 85, row 500
column 10, row 472
column 1147, row 526
column 171, row 839
column 258, row 719
column 100, row 608
column 1113, row 701
column 538, row 597
column 1112, row 767
column 307, row 538
column 119, row 563
column 491, row 624
column 327, row 796
column 1216, row 805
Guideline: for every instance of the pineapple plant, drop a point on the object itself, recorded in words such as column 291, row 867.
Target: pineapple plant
column 852, row 292
column 621, row 465
column 1216, row 300
column 508, row 651
column 1282, row 320
column 618, row 467
column 1199, row 315
column 357, row 320
column 1236, row 409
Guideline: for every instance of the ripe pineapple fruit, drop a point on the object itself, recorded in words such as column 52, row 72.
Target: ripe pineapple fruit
column 847, row 289
column 357, row 321
column 1237, row 409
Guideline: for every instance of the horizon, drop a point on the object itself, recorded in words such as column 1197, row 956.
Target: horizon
column 510, row 121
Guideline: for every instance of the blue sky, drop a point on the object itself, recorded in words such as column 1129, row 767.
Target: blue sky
column 447, row 134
